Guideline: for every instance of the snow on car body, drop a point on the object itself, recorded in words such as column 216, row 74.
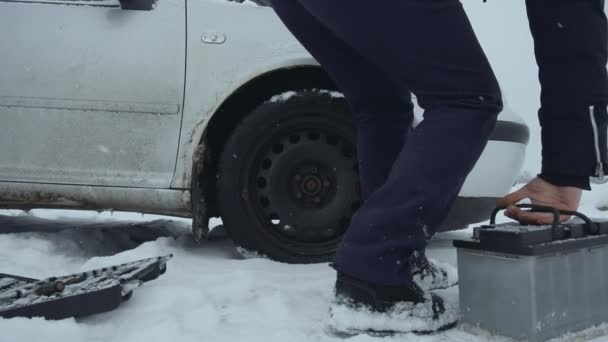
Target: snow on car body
column 107, row 108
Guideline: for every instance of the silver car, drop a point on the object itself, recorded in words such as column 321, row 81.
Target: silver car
column 194, row 108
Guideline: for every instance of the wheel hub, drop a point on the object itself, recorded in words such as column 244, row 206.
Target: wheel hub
column 311, row 186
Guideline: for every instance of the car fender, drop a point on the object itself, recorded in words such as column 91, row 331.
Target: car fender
column 215, row 71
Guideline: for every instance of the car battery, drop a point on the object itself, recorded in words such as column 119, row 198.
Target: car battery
column 534, row 283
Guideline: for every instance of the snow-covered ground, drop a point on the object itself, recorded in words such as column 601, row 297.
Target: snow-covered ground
column 211, row 293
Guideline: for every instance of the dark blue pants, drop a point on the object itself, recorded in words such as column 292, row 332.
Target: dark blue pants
column 378, row 52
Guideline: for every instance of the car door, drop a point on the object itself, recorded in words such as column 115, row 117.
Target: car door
column 90, row 93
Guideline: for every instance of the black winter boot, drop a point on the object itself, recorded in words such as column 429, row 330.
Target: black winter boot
column 363, row 307
column 430, row 274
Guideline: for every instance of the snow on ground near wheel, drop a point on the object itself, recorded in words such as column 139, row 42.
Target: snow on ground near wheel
column 209, row 293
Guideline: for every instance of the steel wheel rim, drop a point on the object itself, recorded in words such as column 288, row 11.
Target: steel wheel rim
column 322, row 176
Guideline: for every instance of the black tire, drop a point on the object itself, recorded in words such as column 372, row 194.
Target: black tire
column 288, row 178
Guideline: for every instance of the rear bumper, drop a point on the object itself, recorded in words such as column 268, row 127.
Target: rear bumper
column 500, row 163
column 468, row 210
column 509, row 131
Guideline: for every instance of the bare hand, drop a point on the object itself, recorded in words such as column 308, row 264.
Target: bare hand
column 542, row 193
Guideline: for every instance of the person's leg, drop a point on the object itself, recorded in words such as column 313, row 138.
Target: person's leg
column 384, row 112
column 430, row 48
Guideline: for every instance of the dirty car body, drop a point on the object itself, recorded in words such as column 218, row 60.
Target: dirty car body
column 110, row 118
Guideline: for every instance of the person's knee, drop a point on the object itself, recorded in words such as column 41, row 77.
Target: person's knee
column 378, row 111
column 490, row 103
column 396, row 119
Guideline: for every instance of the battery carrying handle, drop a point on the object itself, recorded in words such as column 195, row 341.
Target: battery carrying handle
column 592, row 228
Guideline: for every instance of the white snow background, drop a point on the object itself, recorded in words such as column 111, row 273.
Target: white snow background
column 212, row 294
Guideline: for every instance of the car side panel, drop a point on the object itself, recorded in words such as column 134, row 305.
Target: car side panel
column 90, row 95
column 257, row 45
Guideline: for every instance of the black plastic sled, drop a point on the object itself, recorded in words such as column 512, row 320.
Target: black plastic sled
column 79, row 294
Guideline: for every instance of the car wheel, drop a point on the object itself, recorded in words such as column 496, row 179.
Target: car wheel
column 288, row 178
